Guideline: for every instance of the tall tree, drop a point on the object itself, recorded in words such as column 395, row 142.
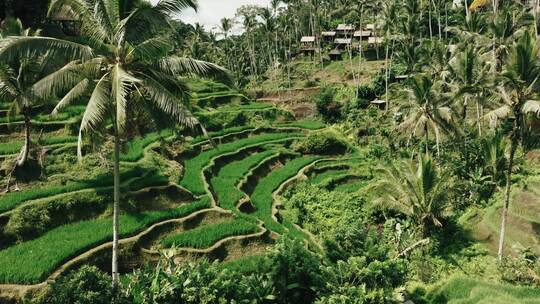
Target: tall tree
column 519, row 97
column 428, row 110
column 17, row 79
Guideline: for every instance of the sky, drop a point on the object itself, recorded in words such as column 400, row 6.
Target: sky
column 211, row 11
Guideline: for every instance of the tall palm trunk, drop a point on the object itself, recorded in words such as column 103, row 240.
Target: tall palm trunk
column 387, row 76
column 426, row 131
column 116, row 206
column 478, row 119
column 513, row 149
column 23, row 156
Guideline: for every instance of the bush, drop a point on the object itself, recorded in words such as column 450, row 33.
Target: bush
column 521, row 270
column 323, row 143
column 88, row 285
column 329, row 109
column 30, row 221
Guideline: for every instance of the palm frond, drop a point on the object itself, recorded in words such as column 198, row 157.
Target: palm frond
column 191, row 67
column 96, row 109
column 77, row 91
column 175, row 7
column 500, row 113
column 121, row 82
column 531, row 106
column 167, row 102
column 66, row 77
column 16, row 47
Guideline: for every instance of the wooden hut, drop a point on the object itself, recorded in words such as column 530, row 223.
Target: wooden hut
column 308, row 45
column 335, row 55
column 375, row 41
column 342, row 43
column 328, row 36
column 379, row 103
column 362, row 35
column 344, row 31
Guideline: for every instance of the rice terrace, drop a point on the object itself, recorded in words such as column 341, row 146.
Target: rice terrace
column 269, row 151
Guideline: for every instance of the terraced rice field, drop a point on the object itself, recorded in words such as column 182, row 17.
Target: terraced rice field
column 523, row 228
column 213, row 174
column 470, row 291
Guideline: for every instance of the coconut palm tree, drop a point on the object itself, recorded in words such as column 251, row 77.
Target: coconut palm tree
column 16, row 83
column 519, row 99
column 428, row 110
column 469, row 74
column 124, row 62
column 417, row 189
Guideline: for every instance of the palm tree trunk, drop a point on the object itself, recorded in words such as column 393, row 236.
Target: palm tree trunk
column 513, row 148
column 116, row 206
column 387, row 76
column 478, row 119
column 23, row 156
column 426, row 131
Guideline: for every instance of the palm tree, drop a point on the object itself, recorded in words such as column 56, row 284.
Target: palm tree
column 427, row 110
column 17, row 79
column 470, row 78
column 418, row 190
column 519, row 96
column 124, row 62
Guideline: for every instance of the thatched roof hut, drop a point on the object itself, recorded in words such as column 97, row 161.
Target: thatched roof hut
column 362, row 34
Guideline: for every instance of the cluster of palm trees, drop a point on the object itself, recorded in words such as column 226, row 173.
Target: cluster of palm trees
column 122, row 63
column 489, row 63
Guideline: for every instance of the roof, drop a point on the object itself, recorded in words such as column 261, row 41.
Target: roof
column 335, row 52
column 331, row 34
column 64, row 14
column 378, row 101
column 308, row 39
column 345, row 27
column 362, row 33
column 343, row 41
column 375, row 40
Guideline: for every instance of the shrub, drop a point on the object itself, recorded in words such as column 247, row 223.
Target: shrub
column 329, row 109
column 33, row 220
column 322, row 143
column 88, row 285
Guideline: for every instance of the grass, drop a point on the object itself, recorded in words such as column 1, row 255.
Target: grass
column 470, row 291
column 66, row 114
column 245, row 265
column 150, row 181
column 302, row 124
column 13, row 199
column 324, row 176
column 220, row 133
column 193, row 178
column 244, row 107
column 262, row 194
column 206, row 236
column 135, row 148
column 224, row 184
column 31, row 262
column 15, row 146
